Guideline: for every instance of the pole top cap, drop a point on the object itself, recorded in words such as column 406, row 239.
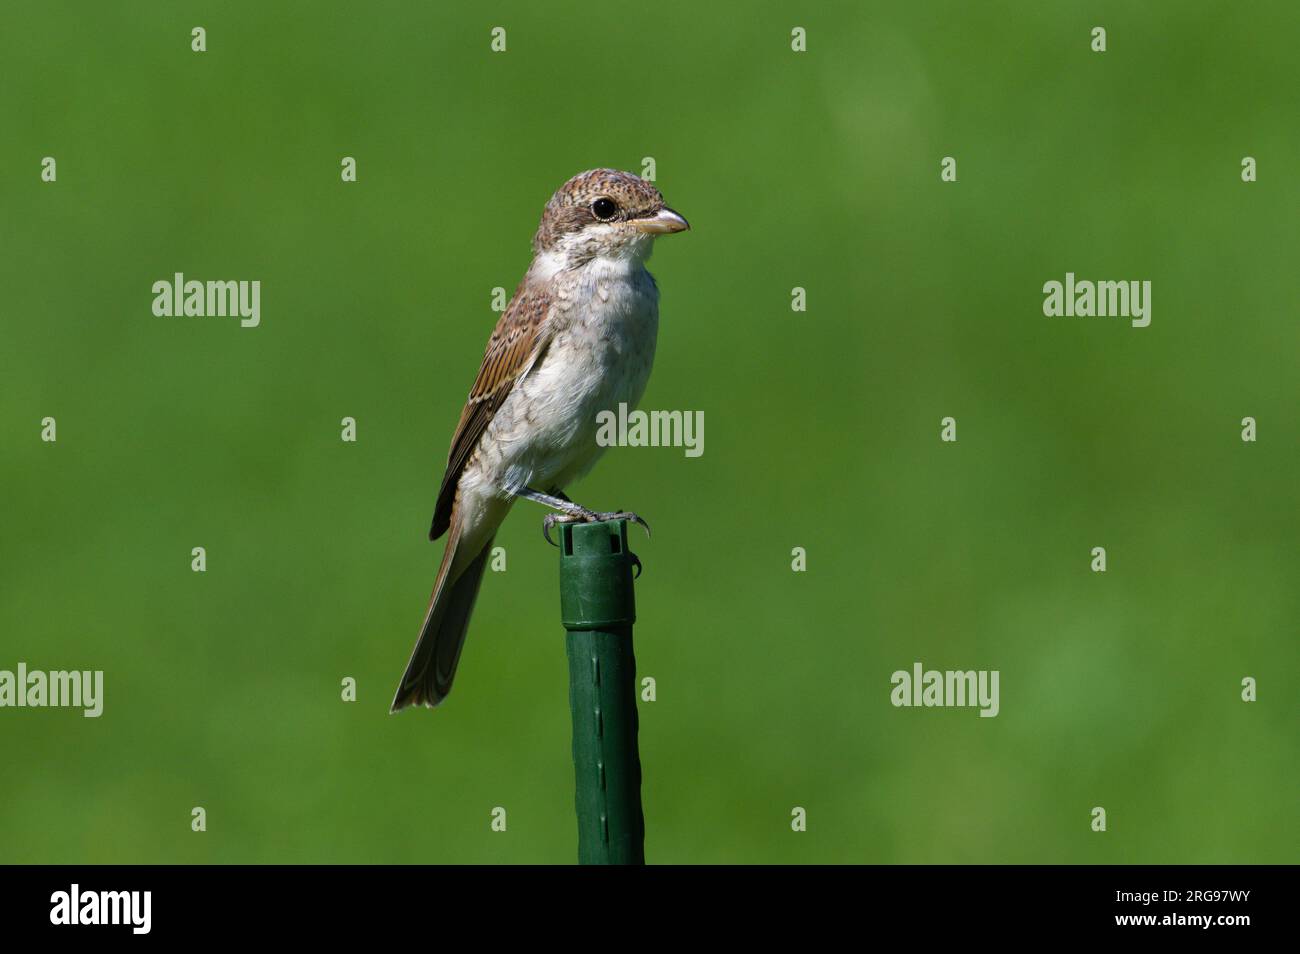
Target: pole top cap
column 596, row 589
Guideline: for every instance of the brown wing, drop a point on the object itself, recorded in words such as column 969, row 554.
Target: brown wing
column 516, row 343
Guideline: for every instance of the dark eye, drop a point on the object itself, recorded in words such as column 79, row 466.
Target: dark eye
column 604, row 209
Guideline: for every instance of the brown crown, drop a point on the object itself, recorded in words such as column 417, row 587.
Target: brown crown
column 570, row 208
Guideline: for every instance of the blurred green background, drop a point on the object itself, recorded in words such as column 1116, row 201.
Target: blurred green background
column 816, row 169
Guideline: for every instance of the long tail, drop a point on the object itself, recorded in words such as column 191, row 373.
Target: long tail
column 433, row 662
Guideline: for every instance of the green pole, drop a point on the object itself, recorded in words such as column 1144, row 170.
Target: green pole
column 597, row 609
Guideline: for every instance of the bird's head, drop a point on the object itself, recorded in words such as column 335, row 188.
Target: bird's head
column 603, row 213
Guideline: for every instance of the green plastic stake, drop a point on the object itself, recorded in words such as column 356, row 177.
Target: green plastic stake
column 598, row 610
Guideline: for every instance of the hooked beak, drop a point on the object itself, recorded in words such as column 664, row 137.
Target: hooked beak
column 665, row 222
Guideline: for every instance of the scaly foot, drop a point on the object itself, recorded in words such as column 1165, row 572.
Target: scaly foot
column 583, row 515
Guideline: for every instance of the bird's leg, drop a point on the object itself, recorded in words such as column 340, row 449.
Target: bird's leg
column 556, row 501
column 570, row 512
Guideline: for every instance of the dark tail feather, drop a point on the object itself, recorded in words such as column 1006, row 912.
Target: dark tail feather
column 433, row 662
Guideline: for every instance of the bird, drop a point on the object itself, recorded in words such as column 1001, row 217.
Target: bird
column 577, row 338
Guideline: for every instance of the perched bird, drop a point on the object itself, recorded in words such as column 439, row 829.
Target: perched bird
column 578, row 337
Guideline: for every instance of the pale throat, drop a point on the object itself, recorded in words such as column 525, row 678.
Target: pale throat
column 616, row 258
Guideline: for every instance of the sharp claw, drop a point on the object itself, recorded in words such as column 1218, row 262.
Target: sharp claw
column 551, row 519
column 588, row 516
column 627, row 515
column 547, row 522
column 636, row 562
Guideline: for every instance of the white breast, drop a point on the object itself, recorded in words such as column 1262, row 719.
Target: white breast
column 544, row 435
